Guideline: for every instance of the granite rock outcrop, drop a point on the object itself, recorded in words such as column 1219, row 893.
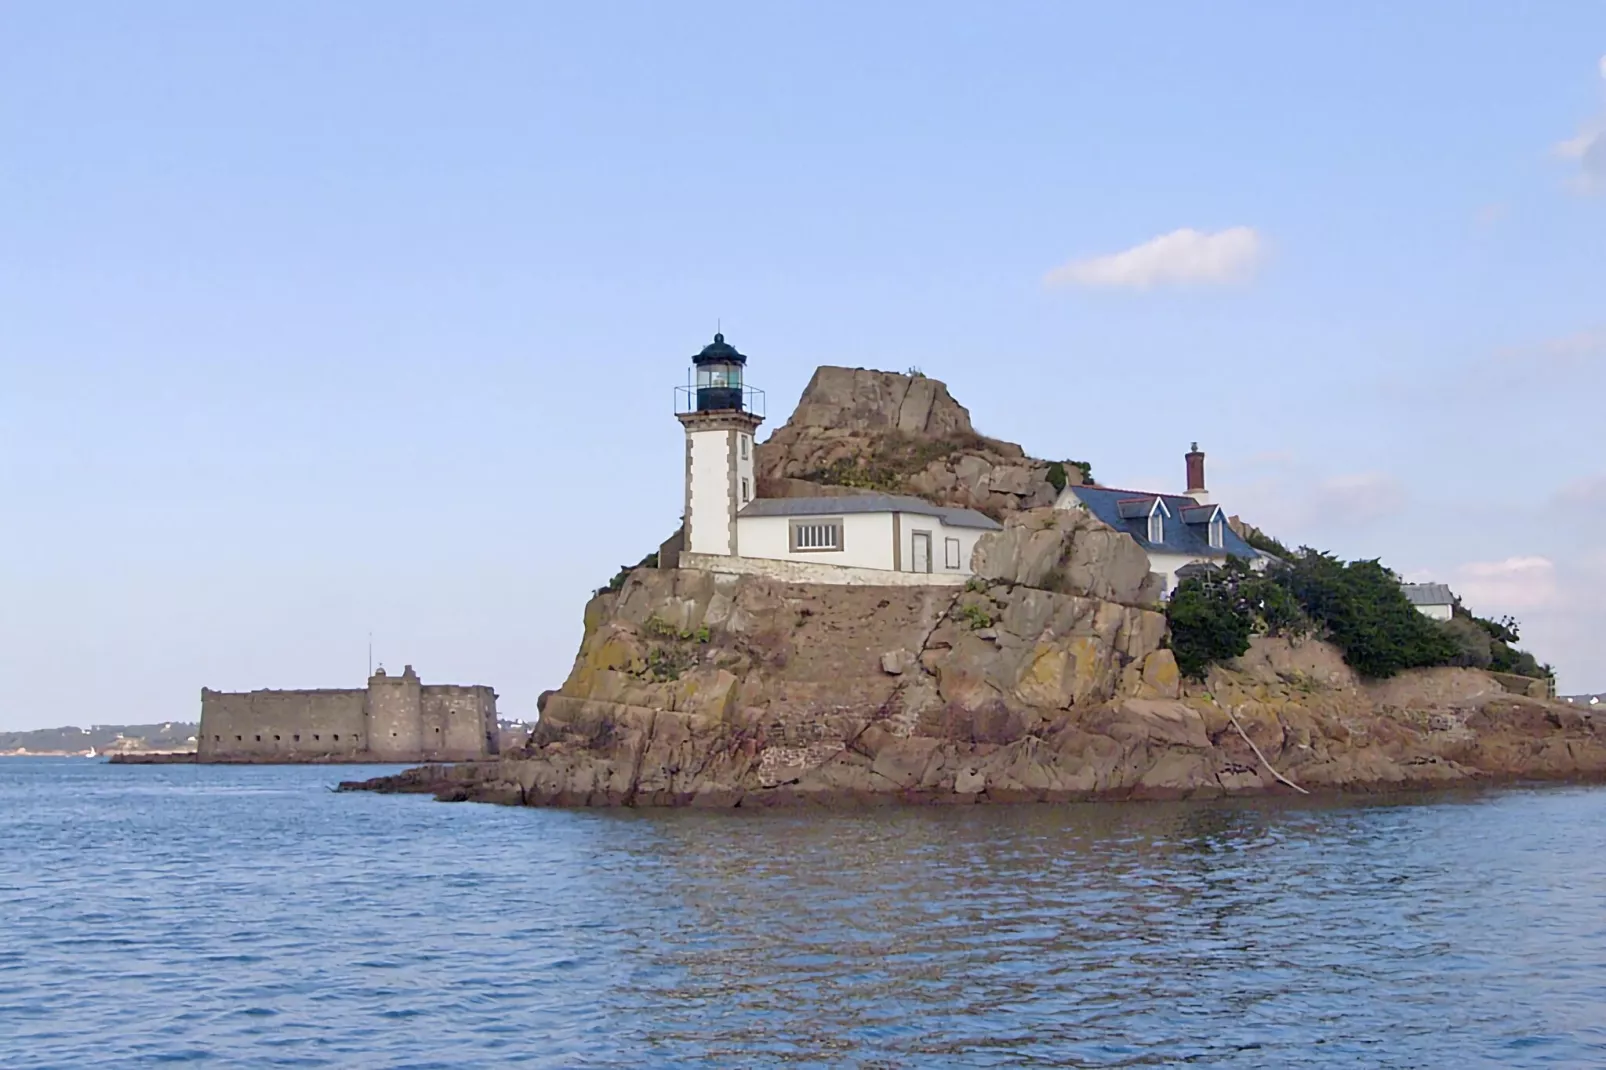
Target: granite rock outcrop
column 693, row 689
column 860, row 431
column 1047, row 677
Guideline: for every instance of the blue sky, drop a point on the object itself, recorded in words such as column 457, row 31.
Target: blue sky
column 317, row 320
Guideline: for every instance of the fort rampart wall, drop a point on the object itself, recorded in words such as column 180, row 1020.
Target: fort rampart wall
column 393, row 719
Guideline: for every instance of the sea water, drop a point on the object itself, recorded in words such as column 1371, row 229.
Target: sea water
column 247, row 916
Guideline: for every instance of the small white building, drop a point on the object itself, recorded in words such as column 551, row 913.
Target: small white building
column 882, row 531
column 863, row 539
column 1434, row 600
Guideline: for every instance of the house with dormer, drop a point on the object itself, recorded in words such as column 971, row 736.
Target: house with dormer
column 1177, row 531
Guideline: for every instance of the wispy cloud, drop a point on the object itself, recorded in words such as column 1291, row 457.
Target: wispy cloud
column 1568, row 352
column 1588, row 149
column 1512, row 585
column 1359, row 498
column 1182, row 257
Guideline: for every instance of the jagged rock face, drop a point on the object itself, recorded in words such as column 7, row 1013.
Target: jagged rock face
column 860, row 400
column 1071, row 551
column 877, row 432
column 696, row 689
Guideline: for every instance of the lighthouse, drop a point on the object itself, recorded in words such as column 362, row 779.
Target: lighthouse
column 717, row 410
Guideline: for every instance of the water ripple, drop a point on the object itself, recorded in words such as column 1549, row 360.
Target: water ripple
column 246, row 917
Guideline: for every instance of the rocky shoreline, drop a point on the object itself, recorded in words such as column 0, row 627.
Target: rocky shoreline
column 805, row 695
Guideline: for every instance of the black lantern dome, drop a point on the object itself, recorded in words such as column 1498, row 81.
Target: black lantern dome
column 719, row 376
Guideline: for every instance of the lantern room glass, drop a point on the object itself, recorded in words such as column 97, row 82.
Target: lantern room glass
column 719, row 376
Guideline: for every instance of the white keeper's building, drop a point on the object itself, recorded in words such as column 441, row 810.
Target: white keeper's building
column 883, row 539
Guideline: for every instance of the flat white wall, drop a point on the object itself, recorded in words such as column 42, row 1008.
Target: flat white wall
column 709, row 524
column 1167, row 565
column 867, row 540
column 1437, row 612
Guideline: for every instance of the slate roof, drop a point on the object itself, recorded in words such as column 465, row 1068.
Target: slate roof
column 868, row 503
column 1428, row 594
column 1181, row 537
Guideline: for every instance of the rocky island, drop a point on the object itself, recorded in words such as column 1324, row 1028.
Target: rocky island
column 1051, row 673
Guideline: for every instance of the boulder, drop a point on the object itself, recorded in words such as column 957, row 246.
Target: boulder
column 1065, row 550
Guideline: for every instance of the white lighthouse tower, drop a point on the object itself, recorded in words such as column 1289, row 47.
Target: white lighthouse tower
column 718, row 416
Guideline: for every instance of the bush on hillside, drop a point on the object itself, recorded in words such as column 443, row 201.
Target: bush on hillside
column 1363, row 611
column 1207, row 626
column 1475, row 648
column 1358, row 606
column 1213, row 615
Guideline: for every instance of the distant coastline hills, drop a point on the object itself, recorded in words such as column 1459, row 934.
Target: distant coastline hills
column 100, row 739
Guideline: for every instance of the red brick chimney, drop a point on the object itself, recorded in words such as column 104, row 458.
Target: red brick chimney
column 1196, row 481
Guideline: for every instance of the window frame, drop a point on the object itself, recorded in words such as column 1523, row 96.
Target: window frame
column 746, row 491
column 1218, row 533
column 951, row 547
column 1156, row 524
column 795, row 545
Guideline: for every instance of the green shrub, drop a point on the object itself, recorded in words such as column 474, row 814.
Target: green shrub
column 1366, row 614
column 975, row 615
column 1208, row 625
column 618, row 581
column 1058, row 478
column 1475, row 650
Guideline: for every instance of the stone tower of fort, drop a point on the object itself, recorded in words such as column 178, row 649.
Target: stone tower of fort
column 393, row 719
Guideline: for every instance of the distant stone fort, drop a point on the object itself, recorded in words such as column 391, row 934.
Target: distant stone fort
column 393, row 719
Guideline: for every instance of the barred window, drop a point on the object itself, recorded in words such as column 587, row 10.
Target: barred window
column 814, row 536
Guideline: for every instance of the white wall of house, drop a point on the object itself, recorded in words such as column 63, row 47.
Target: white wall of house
column 946, row 557
column 1167, row 565
column 710, row 499
column 1437, row 612
column 867, row 542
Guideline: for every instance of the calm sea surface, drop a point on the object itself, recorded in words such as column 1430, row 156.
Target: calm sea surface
column 248, row 917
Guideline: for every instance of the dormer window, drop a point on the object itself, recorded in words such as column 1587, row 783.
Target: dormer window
column 1157, row 526
column 1218, row 534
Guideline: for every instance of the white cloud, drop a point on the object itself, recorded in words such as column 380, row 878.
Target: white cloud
column 1180, row 257
column 1512, row 585
column 1359, row 498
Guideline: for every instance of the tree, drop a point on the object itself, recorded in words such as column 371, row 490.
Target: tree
column 1366, row 614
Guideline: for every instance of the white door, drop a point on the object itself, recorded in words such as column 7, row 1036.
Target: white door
column 920, row 551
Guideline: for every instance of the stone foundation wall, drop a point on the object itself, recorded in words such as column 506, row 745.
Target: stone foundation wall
column 809, row 572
